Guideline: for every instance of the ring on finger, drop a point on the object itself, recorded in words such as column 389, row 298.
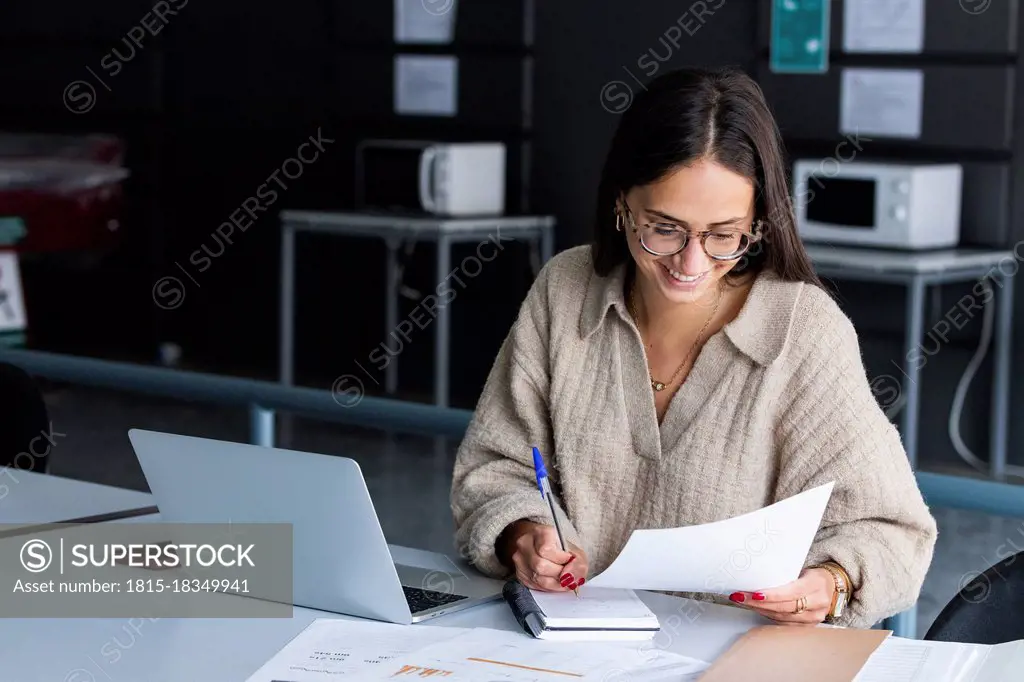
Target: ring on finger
column 801, row 605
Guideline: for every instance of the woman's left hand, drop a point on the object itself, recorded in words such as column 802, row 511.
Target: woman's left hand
column 815, row 585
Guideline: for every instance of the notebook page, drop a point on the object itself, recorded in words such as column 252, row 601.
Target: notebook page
column 912, row 660
column 596, row 607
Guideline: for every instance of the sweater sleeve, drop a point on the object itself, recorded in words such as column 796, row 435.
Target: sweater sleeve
column 493, row 482
column 831, row 428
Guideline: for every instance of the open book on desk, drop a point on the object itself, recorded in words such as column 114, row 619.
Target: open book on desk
column 599, row 614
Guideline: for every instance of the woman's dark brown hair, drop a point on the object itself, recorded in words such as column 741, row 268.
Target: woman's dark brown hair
column 703, row 114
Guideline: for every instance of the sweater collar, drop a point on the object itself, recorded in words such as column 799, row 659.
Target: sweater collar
column 759, row 331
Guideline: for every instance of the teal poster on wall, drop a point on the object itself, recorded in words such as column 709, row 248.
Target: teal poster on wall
column 800, row 31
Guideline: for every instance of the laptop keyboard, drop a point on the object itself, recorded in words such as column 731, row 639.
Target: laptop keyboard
column 421, row 600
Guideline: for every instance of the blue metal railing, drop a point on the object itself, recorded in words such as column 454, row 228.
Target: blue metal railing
column 264, row 398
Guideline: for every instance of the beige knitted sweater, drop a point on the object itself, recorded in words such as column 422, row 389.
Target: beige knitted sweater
column 777, row 402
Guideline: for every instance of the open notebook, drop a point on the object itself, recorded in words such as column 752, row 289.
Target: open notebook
column 599, row 613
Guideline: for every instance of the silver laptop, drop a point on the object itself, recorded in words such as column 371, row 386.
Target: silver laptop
column 342, row 563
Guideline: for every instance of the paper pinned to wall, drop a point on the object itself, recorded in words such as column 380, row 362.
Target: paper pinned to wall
column 12, row 304
column 883, row 26
column 884, row 102
column 425, row 21
column 426, row 85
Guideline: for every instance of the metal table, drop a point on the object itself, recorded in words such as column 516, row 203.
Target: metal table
column 918, row 271
column 394, row 230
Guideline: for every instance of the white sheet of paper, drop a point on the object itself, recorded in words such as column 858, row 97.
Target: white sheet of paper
column 883, row 26
column 426, row 85
column 1001, row 663
column 483, row 655
column 912, row 660
column 886, row 102
column 330, row 649
column 425, row 21
column 12, row 304
column 756, row 551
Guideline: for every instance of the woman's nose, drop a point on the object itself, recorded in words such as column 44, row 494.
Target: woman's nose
column 691, row 260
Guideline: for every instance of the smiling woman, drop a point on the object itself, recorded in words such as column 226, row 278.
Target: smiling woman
column 675, row 375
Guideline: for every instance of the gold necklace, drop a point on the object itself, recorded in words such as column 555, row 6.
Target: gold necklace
column 661, row 385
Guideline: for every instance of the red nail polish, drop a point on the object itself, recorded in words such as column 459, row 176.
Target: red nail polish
column 582, row 580
column 758, row 596
column 737, row 596
column 566, row 579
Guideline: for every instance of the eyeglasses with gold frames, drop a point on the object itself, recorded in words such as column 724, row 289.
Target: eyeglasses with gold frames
column 668, row 239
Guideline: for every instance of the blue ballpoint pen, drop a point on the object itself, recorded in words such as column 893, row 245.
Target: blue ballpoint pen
column 545, row 493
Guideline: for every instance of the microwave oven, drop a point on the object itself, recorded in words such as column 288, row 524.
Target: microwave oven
column 890, row 205
column 436, row 178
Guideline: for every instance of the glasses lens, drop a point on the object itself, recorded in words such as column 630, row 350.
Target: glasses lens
column 724, row 244
column 663, row 239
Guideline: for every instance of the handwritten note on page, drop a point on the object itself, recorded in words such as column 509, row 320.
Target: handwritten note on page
column 760, row 550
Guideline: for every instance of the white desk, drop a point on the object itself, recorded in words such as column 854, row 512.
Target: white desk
column 395, row 229
column 31, row 499
column 229, row 650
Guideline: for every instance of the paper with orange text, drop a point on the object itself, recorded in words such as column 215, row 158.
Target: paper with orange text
column 341, row 649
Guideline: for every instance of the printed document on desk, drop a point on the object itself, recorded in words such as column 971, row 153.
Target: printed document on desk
column 330, row 649
column 756, row 551
column 912, row 660
column 484, row 655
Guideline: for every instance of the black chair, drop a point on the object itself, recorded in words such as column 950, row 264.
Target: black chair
column 988, row 610
column 23, row 420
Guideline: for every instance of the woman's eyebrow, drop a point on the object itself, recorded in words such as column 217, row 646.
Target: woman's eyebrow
column 680, row 221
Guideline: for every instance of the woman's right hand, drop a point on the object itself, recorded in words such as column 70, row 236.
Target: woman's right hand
column 538, row 560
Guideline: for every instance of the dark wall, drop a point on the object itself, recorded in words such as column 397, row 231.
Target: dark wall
column 592, row 55
column 210, row 107
column 213, row 105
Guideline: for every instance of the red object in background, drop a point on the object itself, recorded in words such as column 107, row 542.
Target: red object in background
column 66, row 189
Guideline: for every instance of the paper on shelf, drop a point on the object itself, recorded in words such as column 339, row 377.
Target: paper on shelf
column 883, row 26
column 330, row 649
column 424, row 21
column 426, row 85
column 885, row 102
column 12, row 303
column 756, row 551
